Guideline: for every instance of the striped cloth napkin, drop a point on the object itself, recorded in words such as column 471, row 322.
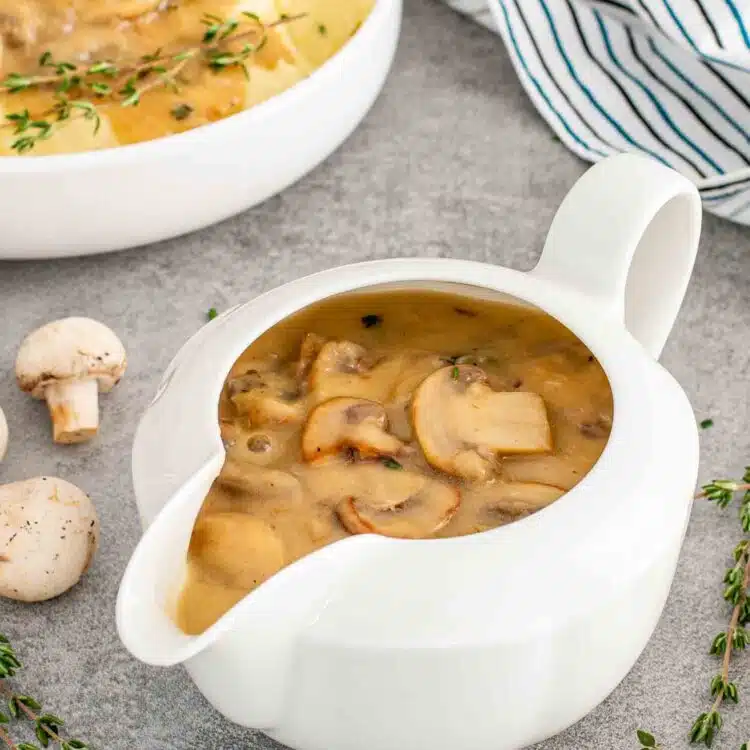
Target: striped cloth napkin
column 668, row 78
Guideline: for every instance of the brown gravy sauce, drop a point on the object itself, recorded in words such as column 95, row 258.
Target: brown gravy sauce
column 432, row 373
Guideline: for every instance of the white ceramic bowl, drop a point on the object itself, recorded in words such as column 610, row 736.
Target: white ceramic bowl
column 485, row 642
column 81, row 204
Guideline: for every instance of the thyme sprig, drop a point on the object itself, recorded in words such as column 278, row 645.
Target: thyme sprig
column 125, row 83
column 736, row 637
column 46, row 726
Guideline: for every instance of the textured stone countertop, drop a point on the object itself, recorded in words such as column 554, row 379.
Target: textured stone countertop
column 453, row 161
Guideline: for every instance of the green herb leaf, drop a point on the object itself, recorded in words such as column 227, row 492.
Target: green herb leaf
column 731, row 692
column 102, row 89
column 41, row 735
column 455, row 373
column 646, row 738
column 706, row 423
column 322, row 30
column 717, row 685
column 391, row 463
column 211, row 314
column 181, row 111
column 719, row 645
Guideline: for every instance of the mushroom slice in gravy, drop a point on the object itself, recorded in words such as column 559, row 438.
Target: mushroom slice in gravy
column 460, row 422
column 396, row 503
column 519, row 498
column 266, row 395
column 343, row 368
column 257, row 481
column 308, row 353
column 236, row 549
column 348, row 423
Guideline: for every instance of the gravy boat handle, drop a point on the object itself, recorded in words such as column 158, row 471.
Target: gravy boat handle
column 626, row 235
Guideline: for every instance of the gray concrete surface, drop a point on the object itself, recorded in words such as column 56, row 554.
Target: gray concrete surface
column 452, row 161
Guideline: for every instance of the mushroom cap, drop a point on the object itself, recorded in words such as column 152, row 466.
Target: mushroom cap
column 344, row 422
column 49, row 533
column 266, row 394
column 70, row 349
column 258, row 481
column 236, row 549
column 512, row 500
column 395, row 503
column 461, row 423
column 343, row 368
column 3, row 435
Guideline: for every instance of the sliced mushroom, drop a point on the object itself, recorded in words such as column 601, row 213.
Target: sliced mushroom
column 597, row 428
column 257, row 481
column 519, row 498
column 392, row 502
column 557, row 469
column 308, row 353
column 237, row 549
column 67, row 362
column 266, row 395
column 343, row 368
column 348, row 423
column 415, row 369
column 461, row 423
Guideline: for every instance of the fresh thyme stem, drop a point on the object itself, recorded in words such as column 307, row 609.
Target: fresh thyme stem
column 732, row 629
column 138, row 65
column 6, row 739
column 736, row 637
column 46, row 726
column 704, row 493
column 29, row 713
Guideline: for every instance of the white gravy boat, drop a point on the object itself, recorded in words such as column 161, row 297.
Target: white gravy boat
column 485, row 642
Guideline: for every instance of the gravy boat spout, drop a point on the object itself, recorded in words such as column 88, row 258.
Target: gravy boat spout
column 252, row 645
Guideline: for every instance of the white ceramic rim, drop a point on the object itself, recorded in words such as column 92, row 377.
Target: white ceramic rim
column 165, row 146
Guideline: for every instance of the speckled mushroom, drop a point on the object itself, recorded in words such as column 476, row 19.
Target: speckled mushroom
column 66, row 363
column 49, row 533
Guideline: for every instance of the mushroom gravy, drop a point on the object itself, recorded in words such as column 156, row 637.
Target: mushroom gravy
column 84, row 32
column 414, row 414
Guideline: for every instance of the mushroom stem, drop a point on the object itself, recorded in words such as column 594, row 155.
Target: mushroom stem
column 74, row 409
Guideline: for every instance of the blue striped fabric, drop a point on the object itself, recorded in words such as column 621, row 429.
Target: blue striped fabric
column 668, row 78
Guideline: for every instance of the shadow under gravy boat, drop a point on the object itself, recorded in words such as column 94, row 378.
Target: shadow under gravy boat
column 486, row 642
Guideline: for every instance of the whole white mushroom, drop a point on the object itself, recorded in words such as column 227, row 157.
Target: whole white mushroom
column 67, row 362
column 3, row 435
column 49, row 533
